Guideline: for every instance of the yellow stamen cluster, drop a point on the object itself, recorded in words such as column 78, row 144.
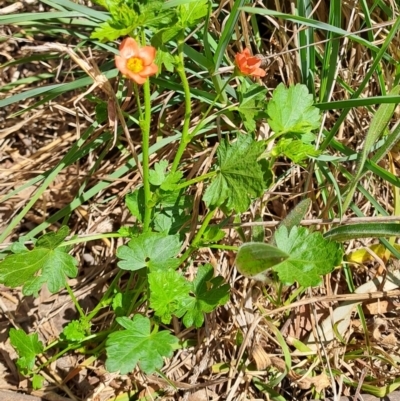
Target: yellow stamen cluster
column 135, row 64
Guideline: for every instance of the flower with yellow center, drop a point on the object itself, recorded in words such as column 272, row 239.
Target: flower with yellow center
column 136, row 63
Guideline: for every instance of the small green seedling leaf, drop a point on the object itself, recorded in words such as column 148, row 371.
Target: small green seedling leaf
column 122, row 302
column 254, row 259
column 76, row 330
column 129, row 232
column 295, row 149
column 161, row 178
column 239, row 176
column 209, row 293
column 169, row 294
column 291, row 110
column 135, row 203
column 37, row 382
column 310, row 256
column 157, row 175
column 152, row 250
column 54, row 264
column 27, row 347
column 137, row 344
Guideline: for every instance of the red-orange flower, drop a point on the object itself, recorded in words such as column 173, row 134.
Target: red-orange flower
column 136, row 63
column 249, row 65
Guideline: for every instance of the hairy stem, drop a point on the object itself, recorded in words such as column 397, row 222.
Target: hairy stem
column 145, row 127
column 188, row 107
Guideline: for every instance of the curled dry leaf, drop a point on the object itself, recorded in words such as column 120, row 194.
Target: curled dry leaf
column 379, row 307
column 389, row 340
column 261, row 358
column 320, row 382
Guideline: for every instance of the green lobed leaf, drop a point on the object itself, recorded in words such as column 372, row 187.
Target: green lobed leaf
column 53, row 239
column 161, row 178
column 291, row 110
column 107, row 31
column 152, row 250
column 162, row 223
column 295, row 149
column 209, row 293
column 251, row 104
column 157, row 174
column 310, row 256
column 127, row 17
column 169, row 294
column 164, row 57
column 239, row 175
column 54, row 265
column 190, row 14
column 172, row 210
column 27, row 347
column 136, row 344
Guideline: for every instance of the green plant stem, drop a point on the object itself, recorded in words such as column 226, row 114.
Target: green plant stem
column 196, row 240
column 138, row 102
column 58, row 355
column 75, row 301
column 204, row 225
column 95, row 237
column 145, row 127
column 106, row 297
column 195, row 180
column 140, row 285
column 200, row 124
column 186, row 137
column 224, row 247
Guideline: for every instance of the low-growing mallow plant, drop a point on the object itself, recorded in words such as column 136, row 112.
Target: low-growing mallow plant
column 162, row 205
column 152, row 56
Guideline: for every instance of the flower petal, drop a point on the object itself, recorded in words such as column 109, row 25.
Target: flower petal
column 253, row 61
column 128, row 48
column 149, row 70
column 147, row 54
column 249, row 65
column 259, row 72
column 246, row 52
column 120, row 63
column 135, row 77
